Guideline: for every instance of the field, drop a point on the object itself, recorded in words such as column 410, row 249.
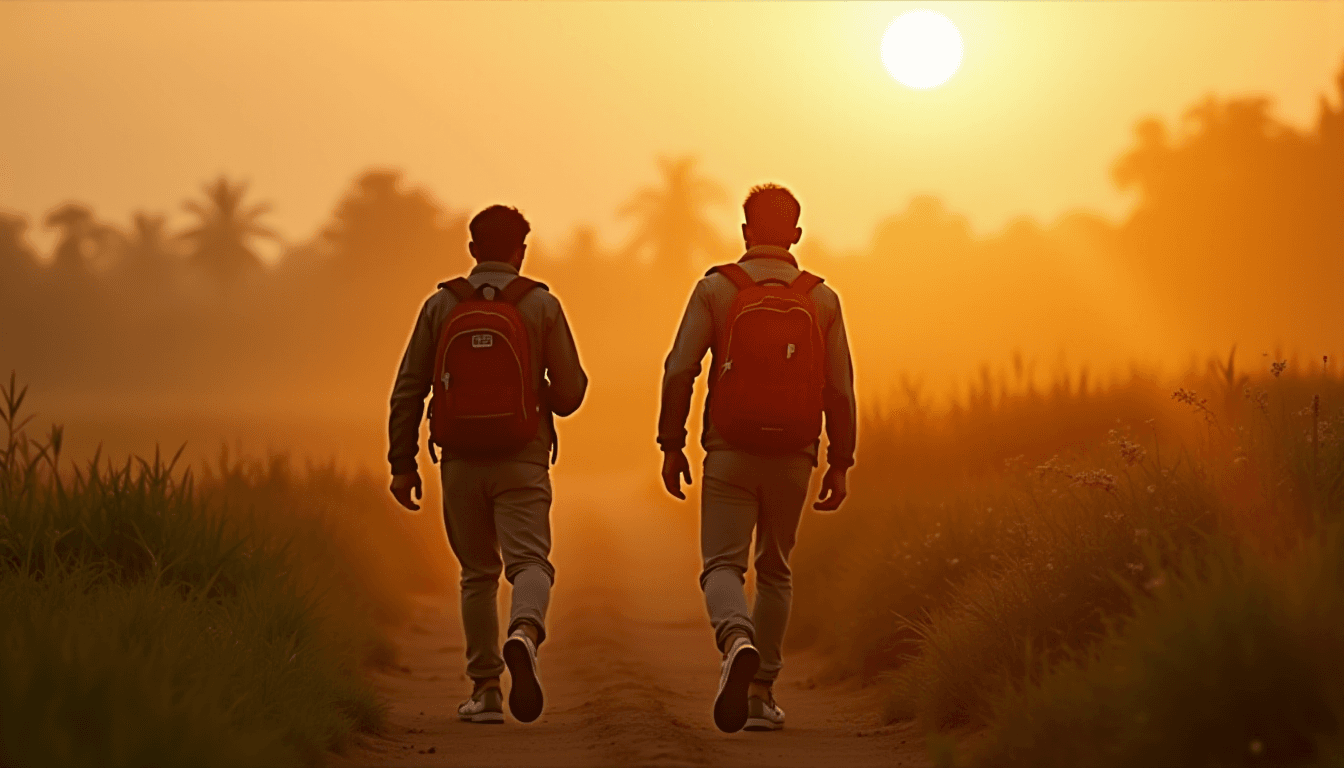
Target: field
column 1104, row 574
column 1109, row 576
column 156, row 617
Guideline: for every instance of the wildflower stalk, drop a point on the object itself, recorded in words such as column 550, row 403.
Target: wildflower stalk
column 1315, row 436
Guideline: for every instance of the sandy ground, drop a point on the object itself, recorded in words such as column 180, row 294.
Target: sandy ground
column 629, row 668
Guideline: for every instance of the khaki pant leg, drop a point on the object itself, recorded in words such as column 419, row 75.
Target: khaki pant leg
column 521, row 494
column 468, row 514
column 729, row 505
column 784, row 482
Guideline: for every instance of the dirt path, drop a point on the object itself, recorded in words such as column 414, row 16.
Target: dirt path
column 629, row 669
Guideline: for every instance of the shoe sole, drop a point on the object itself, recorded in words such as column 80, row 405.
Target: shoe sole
column 761, row 724
column 525, row 699
column 730, row 706
column 484, row 718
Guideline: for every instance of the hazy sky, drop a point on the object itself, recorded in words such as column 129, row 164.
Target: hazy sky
column 560, row 108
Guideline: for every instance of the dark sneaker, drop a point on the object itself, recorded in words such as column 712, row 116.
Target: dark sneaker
column 739, row 667
column 486, row 705
column 763, row 714
column 520, row 655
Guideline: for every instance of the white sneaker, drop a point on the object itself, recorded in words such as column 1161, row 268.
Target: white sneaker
column 739, row 667
column 525, row 697
column 484, row 706
column 763, row 714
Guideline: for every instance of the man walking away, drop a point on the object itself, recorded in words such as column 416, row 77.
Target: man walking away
column 780, row 361
column 496, row 351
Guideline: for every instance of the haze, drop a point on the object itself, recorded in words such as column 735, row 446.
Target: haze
column 560, row 107
column 1025, row 222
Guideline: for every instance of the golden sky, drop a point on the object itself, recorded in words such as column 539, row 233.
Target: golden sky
column 561, row 107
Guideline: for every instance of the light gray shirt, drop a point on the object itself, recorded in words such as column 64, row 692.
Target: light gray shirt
column 555, row 367
column 700, row 326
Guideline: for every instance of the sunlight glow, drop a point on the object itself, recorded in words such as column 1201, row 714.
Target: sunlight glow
column 922, row 49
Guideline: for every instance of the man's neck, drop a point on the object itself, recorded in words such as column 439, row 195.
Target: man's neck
column 496, row 266
column 776, row 252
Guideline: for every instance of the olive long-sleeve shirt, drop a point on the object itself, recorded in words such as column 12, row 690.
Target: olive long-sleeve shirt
column 555, row 367
column 705, row 315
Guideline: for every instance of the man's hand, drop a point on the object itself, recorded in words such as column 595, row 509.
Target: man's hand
column 834, row 489
column 675, row 467
column 403, row 485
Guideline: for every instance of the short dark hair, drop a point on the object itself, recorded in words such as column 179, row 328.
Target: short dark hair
column 497, row 232
column 772, row 211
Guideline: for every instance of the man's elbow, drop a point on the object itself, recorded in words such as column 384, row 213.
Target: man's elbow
column 408, row 392
column 566, row 408
column 566, row 403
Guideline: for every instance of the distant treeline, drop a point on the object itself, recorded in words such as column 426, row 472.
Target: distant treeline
column 1237, row 237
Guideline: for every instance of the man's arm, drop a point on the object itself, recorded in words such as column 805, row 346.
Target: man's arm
column 838, row 395
column 568, row 382
column 414, row 380
column 682, row 367
column 679, row 372
column 841, row 413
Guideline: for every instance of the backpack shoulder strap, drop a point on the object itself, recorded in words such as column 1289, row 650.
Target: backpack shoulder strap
column 805, row 282
column 459, row 288
column 518, row 288
column 733, row 272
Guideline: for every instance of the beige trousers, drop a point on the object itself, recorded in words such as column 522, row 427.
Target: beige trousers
column 743, row 493
column 498, row 516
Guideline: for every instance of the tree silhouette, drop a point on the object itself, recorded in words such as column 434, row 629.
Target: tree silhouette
column 82, row 238
column 670, row 218
column 1330, row 148
column 583, row 247
column 146, row 249
column 925, row 234
column 1330, row 121
column 381, row 231
column 221, row 241
column 1240, row 218
column 15, row 253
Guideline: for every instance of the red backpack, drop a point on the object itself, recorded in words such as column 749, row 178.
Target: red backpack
column 485, row 401
column 766, row 386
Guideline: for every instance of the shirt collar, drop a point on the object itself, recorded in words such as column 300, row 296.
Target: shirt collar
column 770, row 252
column 494, row 266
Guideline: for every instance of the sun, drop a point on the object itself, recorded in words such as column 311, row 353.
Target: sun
column 922, row 49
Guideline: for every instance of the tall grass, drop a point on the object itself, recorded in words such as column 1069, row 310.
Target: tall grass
column 152, row 620
column 1234, row 661
column 991, row 595
column 1019, row 482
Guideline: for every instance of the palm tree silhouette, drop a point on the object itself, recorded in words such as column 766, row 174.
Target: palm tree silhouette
column 81, row 237
column 671, row 217
column 221, row 241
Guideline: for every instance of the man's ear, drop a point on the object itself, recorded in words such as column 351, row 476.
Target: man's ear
column 797, row 234
column 471, row 247
column 746, row 234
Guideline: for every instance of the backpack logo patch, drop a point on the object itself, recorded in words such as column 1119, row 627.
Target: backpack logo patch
column 482, row 341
